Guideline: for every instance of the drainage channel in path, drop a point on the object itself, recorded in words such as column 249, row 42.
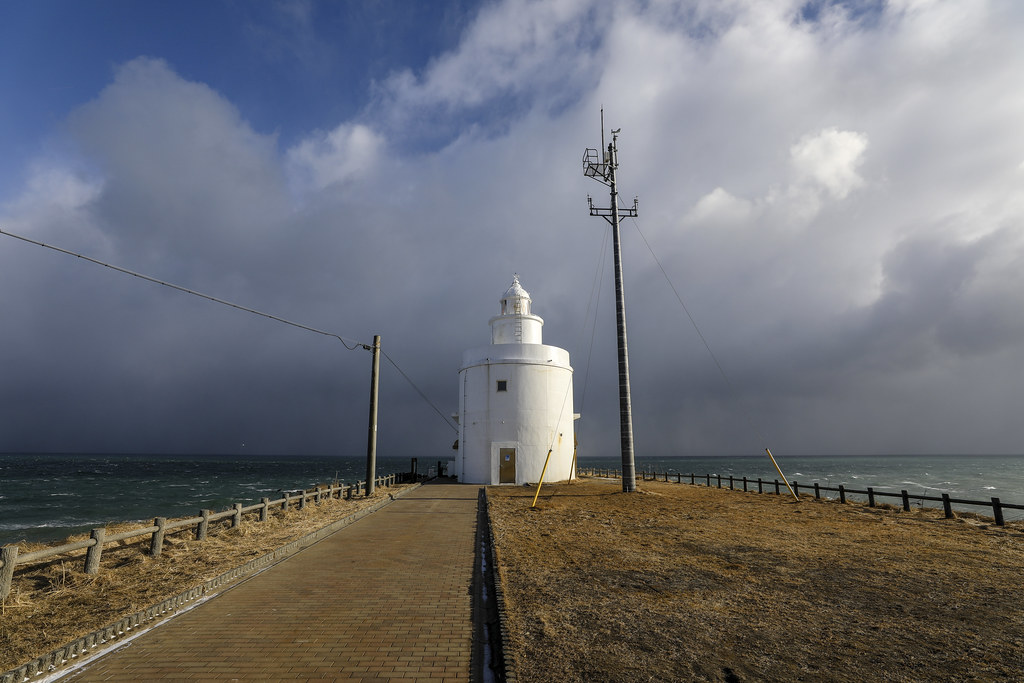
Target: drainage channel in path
column 488, row 665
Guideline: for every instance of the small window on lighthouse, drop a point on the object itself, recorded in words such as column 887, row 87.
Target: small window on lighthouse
column 502, row 385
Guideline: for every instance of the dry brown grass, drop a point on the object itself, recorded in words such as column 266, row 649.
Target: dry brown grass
column 52, row 604
column 677, row 582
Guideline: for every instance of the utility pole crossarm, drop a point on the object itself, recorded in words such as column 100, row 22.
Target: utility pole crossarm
column 629, row 212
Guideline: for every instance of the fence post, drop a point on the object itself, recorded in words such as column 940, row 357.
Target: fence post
column 871, row 497
column 760, row 485
column 817, row 491
column 708, row 477
column 744, row 484
column 263, row 510
column 92, row 556
column 946, row 507
column 796, row 489
column 156, row 542
column 302, row 500
column 842, row 494
column 997, row 511
column 776, row 487
column 693, row 478
column 9, row 555
column 236, row 520
column 203, row 526
column 730, row 483
column 719, row 478
column 906, row 500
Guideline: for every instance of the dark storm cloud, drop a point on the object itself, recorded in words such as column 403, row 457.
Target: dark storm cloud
column 841, row 224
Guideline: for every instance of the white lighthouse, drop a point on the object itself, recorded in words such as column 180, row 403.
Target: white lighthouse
column 515, row 402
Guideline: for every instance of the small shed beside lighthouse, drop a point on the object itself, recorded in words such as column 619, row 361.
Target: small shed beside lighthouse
column 515, row 402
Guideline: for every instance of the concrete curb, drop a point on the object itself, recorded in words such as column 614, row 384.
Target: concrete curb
column 508, row 660
column 114, row 634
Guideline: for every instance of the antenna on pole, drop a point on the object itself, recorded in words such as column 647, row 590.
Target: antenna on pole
column 601, row 167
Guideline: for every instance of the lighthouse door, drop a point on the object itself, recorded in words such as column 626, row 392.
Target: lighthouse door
column 506, row 465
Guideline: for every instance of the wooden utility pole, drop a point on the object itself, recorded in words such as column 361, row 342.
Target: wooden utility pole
column 371, row 438
column 604, row 172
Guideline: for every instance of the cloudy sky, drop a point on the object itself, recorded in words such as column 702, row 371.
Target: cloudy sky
column 834, row 189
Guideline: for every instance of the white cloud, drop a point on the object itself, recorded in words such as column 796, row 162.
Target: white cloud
column 342, row 155
column 517, row 55
column 830, row 159
column 55, row 188
column 719, row 207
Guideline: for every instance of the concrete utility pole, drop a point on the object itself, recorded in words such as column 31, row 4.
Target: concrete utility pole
column 604, row 172
column 371, row 439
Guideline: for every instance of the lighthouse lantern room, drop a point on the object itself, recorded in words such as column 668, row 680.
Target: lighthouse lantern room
column 515, row 402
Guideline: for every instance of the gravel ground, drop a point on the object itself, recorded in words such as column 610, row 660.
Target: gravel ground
column 680, row 582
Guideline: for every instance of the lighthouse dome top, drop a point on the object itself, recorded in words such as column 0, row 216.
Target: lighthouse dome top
column 516, row 289
column 516, row 300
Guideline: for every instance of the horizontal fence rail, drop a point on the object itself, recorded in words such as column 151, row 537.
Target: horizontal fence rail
column 127, row 626
column 10, row 558
column 775, row 486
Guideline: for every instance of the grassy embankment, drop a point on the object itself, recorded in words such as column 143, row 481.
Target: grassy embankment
column 678, row 582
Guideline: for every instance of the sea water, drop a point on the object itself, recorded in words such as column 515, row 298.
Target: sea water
column 968, row 477
column 49, row 497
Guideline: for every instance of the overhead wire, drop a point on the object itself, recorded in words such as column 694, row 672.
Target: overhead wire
column 355, row 344
column 420, row 392
column 349, row 344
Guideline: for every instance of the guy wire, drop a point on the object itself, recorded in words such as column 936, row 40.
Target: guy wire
column 732, row 387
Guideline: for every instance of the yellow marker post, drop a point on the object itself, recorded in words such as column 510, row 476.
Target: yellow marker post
column 542, row 473
column 777, row 469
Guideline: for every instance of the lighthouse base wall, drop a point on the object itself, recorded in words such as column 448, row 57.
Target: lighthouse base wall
column 513, row 411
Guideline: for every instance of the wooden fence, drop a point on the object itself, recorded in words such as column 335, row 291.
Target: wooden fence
column 871, row 494
column 10, row 558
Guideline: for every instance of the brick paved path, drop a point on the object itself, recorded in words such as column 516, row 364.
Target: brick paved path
column 387, row 597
